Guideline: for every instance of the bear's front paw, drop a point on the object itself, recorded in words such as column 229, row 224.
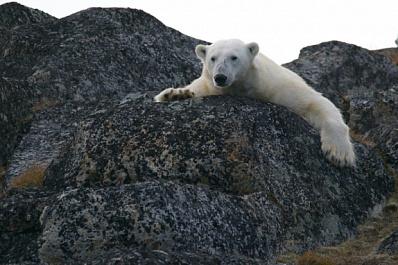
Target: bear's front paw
column 340, row 153
column 172, row 94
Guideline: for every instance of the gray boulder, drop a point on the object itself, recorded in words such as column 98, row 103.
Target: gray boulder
column 90, row 55
column 221, row 175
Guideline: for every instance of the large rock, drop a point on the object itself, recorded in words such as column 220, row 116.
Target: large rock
column 49, row 132
column 247, row 191
column 198, row 176
column 15, row 112
column 90, row 55
column 339, row 70
column 216, row 180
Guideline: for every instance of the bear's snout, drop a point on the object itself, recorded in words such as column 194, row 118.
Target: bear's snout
column 220, row 80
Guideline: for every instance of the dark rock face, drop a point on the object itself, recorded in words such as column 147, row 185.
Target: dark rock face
column 153, row 215
column 87, row 56
column 338, row 69
column 210, row 145
column 15, row 117
column 15, row 15
column 20, row 226
column 215, row 180
column 14, row 108
column 389, row 245
column 49, row 132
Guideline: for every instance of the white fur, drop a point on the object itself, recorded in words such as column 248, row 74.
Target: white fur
column 248, row 73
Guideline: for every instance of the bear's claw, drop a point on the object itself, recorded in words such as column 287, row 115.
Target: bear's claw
column 343, row 156
column 172, row 94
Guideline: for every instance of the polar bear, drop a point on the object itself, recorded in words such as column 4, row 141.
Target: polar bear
column 231, row 67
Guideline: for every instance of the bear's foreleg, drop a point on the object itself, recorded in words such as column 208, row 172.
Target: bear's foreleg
column 335, row 138
column 198, row 88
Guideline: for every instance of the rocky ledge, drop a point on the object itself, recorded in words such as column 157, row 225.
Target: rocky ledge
column 214, row 180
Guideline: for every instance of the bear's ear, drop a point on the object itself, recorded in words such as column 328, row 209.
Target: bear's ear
column 253, row 48
column 201, row 51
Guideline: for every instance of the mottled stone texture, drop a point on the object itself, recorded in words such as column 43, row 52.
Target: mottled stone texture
column 244, row 177
column 389, row 245
column 214, row 180
column 90, row 55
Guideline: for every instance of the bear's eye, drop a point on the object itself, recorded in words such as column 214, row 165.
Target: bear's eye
column 213, row 59
column 234, row 58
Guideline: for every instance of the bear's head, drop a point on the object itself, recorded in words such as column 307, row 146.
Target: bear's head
column 227, row 61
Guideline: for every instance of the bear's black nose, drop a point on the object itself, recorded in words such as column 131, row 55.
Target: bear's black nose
column 220, row 79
